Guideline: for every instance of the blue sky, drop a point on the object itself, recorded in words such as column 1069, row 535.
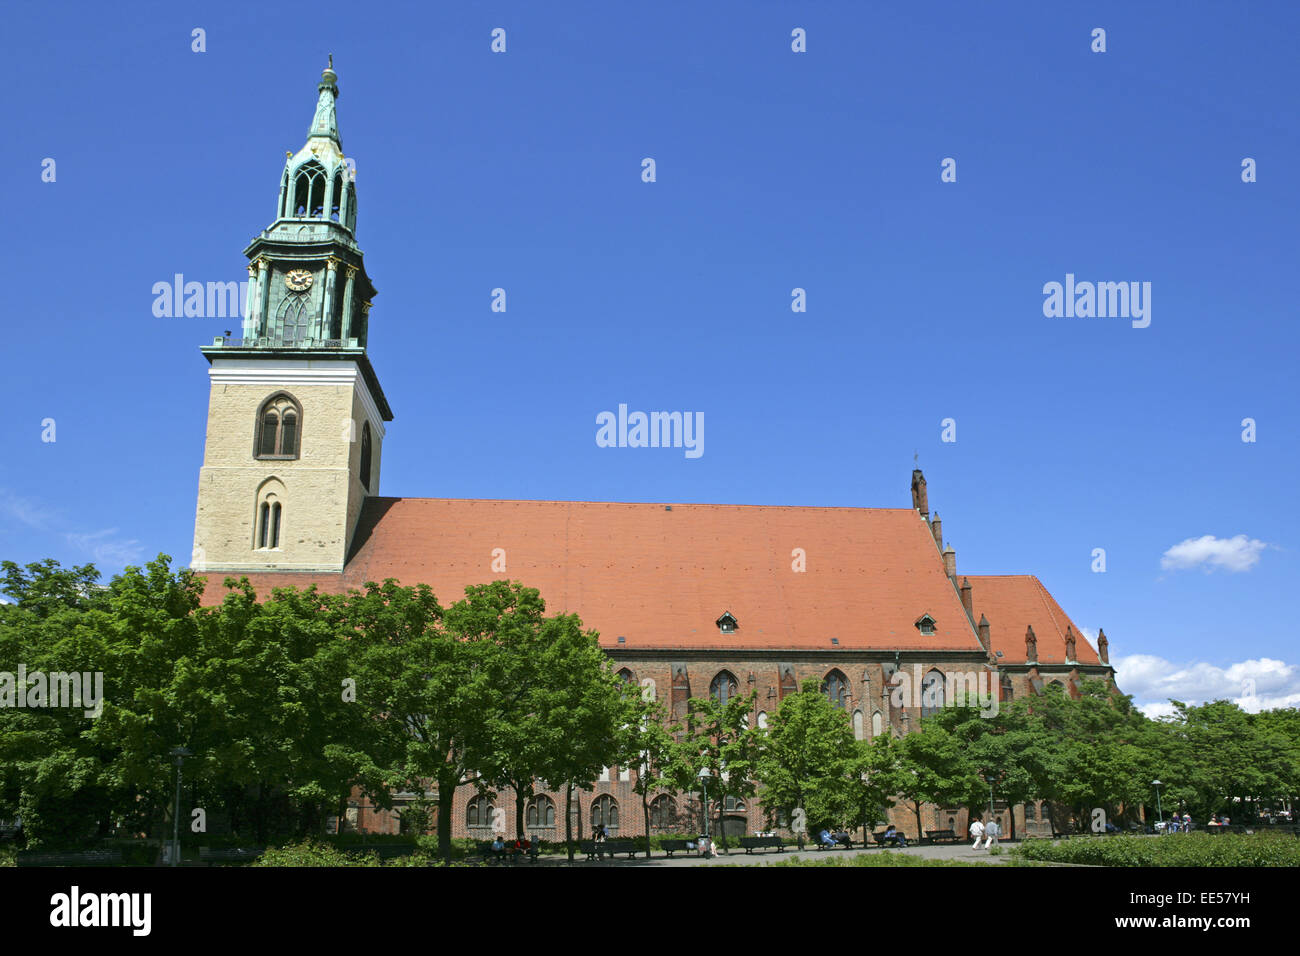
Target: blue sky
column 775, row 170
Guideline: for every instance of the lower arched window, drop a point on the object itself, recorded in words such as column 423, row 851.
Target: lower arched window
column 663, row 813
column 932, row 693
column 541, row 812
column 479, row 812
column 268, row 535
column 836, row 687
column 604, row 812
column 724, row 687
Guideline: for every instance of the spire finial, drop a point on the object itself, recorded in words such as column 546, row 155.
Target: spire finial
column 325, row 123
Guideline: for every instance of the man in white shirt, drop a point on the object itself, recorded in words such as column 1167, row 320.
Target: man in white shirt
column 991, row 833
column 977, row 832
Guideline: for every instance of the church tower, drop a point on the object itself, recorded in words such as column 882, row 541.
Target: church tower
column 295, row 414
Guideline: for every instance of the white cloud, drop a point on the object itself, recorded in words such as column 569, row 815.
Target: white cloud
column 1234, row 554
column 25, row 511
column 1090, row 636
column 1254, row 685
column 106, row 549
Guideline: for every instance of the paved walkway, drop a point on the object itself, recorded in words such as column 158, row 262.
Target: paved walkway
column 952, row 851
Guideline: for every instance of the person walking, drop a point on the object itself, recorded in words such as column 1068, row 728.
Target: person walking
column 991, row 833
column 976, row 832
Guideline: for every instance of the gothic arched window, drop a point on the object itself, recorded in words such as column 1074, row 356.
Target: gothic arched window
column 309, row 191
column 1007, row 693
column 279, row 423
column 932, row 693
column 293, row 318
column 663, row 813
column 336, row 197
column 268, row 535
column 541, row 812
column 604, row 812
column 836, row 687
column 724, row 687
column 365, row 456
column 479, row 812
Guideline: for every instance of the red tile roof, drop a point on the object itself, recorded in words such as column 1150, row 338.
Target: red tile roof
column 661, row 578
column 1014, row 602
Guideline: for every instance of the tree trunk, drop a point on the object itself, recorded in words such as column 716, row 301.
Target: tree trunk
column 916, row 804
column 519, row 812
column 446, row 791
column 568, row 820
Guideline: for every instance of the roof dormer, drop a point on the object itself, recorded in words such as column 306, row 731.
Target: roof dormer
column 925, row 624
column 727, row 624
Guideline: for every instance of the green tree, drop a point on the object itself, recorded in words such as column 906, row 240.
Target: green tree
column 809, row 758
column 718, row 738
column 934, row 767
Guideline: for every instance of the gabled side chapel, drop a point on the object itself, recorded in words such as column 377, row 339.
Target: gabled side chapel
column 688, row 598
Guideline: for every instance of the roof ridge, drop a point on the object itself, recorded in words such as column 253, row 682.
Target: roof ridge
column 659, row 503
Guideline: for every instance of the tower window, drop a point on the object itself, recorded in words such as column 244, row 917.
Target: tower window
column 278, row 425
column 309, row 191
column 268, row 524
column 365, row 456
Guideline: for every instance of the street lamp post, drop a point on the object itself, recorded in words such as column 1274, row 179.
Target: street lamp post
column 1159, row 812
column 704, row 783
column 180, row 753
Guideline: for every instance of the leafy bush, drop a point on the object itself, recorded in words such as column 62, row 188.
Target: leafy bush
column 1178, row 849
column 314, row 854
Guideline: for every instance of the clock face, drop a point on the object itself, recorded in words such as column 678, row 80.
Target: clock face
column 299, row 280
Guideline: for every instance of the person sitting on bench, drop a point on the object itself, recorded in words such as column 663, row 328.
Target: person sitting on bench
column 825, row 838
column 894, row 836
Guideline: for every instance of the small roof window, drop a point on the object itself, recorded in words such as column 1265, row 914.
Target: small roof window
column 727, row 623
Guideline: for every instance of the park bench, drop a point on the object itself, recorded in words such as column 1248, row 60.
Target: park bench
column 238, row 854
column 69, row 858
column 882, row 838
column 672, row 846
column 752, row 843
column 941, row 836
column 609, row 848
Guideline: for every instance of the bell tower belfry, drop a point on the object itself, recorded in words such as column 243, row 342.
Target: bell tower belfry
column 295, row 412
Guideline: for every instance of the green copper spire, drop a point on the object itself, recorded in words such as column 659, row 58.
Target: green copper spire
column 325, row 123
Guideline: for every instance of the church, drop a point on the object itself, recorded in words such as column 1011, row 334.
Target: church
column 688, row 599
